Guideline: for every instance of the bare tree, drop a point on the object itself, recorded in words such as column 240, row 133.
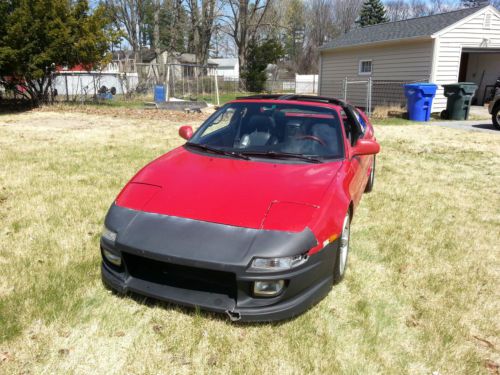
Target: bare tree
column 202, row 15
column 127, row 15
column 319, row 28
column 321, row 21
column 346, row 13
column 178, row 24
column 419, row 8
column 397, row 10
column 442, row 6
column 242, row 22
column 156, row 26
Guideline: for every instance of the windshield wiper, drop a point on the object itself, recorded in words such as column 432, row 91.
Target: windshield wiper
column 217, row 150
column 282, row 155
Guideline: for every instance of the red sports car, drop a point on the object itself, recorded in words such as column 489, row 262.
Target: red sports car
column 251, row 216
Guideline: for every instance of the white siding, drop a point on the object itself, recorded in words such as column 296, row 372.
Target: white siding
column 398, row 61
column 471, row 34
column 88, row 83
column 227, row 68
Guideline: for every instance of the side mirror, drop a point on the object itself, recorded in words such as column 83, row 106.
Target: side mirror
column 365, row 147
column 186, row 132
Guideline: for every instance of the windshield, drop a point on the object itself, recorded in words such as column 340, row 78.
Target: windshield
column 267, row 129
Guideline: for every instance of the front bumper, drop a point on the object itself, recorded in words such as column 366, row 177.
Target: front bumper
column 204, row 265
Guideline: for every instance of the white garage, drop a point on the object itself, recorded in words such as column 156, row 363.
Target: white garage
column 462, row 45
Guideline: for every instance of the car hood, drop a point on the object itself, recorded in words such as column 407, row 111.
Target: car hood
column 245, row 193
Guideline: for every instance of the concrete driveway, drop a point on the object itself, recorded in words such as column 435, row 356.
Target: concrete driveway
column 473, row 126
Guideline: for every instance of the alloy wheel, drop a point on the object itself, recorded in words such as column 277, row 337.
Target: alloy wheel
column 344, row 244
column 372, row 173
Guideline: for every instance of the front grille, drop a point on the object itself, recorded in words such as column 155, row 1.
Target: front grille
column 184, row 277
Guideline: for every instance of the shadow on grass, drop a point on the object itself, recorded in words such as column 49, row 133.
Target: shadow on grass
column 12, row 106
column 195, row 311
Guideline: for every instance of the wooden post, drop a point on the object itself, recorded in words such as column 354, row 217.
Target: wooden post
column 217, row 89
column 167, row 80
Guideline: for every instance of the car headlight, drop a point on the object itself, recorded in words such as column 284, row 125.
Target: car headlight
column 108, row 234
column 277, row 264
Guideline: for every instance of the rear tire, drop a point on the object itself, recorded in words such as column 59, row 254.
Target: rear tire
column 340, row 265
column 495, row 116
column 371, row 179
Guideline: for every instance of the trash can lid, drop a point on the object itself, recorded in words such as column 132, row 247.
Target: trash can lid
column 420, row 84
column 460, row 84
column 467, row 87
column 426, row 87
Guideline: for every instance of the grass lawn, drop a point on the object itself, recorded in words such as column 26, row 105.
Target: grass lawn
column 420, row 296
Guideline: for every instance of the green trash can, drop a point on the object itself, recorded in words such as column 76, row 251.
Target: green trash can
column 459, row 100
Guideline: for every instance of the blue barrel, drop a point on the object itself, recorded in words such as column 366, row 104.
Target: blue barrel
column 419, row 99
column 159, row 93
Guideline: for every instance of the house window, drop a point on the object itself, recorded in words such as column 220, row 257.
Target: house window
column 365, row 67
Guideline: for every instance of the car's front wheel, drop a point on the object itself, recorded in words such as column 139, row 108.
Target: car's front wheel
column 496, row 117
column 340, row 265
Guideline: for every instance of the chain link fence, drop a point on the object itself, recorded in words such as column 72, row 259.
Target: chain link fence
column 370, row 93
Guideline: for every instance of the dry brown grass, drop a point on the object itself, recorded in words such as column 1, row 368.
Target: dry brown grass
column 421, row 293
column 152, row 114
column 383, row 112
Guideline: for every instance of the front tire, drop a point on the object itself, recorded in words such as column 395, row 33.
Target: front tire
column 495, row 116
column 371, row 179
column 340, row 265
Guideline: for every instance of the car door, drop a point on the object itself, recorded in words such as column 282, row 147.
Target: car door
column 359, row 165
column 368, row 133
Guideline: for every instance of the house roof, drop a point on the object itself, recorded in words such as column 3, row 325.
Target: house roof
column 406, row 29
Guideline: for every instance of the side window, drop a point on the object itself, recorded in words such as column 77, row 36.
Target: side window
column 365, row 67
column 353, row 127
column 222, row 121
column 361, row 120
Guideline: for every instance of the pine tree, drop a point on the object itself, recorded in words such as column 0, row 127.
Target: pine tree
column 372, row 13
column 260, row 54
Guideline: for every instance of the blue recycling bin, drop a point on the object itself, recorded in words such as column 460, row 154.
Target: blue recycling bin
column 419, row 99
column 159, row 93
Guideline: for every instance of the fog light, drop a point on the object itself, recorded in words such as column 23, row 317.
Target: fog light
column 268, row 288
column 112, row 258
